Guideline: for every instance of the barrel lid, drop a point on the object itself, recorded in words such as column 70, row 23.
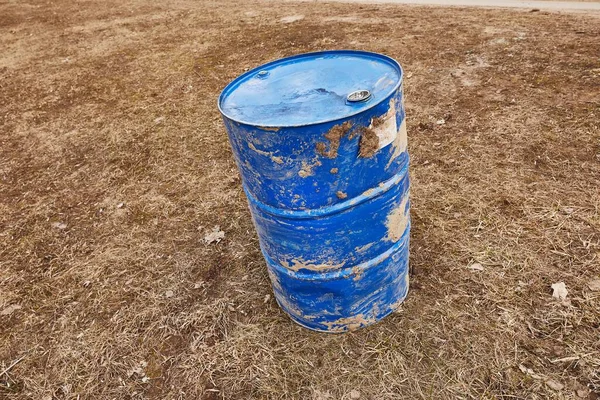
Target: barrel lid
column 310, row 88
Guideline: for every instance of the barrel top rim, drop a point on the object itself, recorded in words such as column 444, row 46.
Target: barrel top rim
column 241, row 78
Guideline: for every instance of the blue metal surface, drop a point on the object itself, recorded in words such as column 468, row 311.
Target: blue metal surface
column 309, row 88
column 327, row 183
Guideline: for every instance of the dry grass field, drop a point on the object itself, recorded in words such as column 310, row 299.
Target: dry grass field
column 114, row 165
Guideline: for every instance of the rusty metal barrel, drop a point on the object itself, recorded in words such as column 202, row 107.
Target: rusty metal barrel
column 320, row 143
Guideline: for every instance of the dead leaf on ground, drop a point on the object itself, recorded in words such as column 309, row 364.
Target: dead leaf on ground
column 594, row 285
column 216, row 235
column 529, row 371
column 476, row 267
column 10, row 309
column 138, row 370
column 59, row 225
column 319, row 395
column 583, row 393
column 554, row 385
column 560, row 291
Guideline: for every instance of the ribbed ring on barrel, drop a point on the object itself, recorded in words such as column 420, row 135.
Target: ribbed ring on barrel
column 341, row 328
column 343, row 272
column 334, row 209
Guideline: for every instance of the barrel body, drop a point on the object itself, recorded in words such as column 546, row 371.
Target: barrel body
column 329, row 197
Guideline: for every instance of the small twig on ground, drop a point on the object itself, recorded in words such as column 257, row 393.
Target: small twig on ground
column 18, row 360
column 565, row 359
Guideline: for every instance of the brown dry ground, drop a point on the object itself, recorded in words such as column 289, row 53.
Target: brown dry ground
column 103, row 103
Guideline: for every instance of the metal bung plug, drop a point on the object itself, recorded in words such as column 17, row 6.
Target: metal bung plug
column 358, row 96
column 263, row 74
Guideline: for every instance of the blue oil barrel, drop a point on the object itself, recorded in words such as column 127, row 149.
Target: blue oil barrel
column 320, row 142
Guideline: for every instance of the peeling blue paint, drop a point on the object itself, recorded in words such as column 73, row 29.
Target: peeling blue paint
column 333, row 226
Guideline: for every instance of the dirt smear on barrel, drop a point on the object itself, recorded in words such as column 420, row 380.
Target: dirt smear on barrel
column 334, row 136
column 397, row 220
column 369, row 140
column 297, row 265
column 349, row 323
column 369, row 143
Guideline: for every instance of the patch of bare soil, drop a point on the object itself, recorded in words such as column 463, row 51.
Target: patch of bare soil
column 115, row 172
